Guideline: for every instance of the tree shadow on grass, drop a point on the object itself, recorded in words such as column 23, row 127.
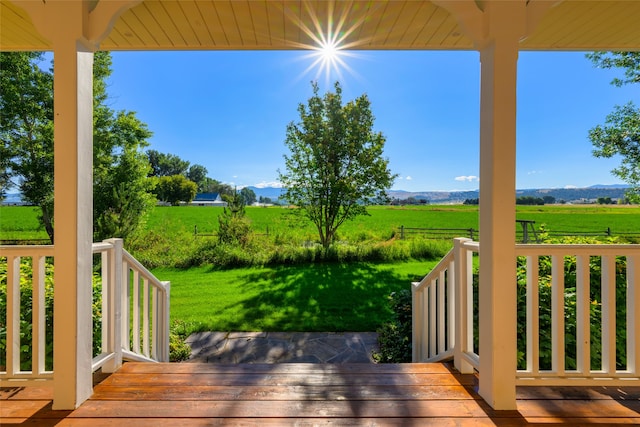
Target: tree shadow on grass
column 317, row 298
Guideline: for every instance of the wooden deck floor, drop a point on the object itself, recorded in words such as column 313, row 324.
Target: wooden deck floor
column 312, row 394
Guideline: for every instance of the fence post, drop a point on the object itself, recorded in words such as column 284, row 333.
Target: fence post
column 402, row 232
column 463, row 307
column 114, row 280
column 195, row 230
column 608, row 231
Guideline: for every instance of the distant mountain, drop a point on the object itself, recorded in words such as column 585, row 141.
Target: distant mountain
column 273, row 193
column 625, row 186
column 569, row 195
column 12, row 199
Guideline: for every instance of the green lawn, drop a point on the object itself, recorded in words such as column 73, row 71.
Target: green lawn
column 320, row 297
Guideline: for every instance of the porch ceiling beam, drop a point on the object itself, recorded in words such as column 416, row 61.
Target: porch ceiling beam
column 97, row 20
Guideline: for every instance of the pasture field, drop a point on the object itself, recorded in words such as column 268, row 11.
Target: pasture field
column 385, row 220
column 20, row 222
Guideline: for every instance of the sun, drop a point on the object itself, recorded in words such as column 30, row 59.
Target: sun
column 329, row 52
column 330, row 41
column 329, row 58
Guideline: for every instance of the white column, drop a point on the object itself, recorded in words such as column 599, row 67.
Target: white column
column 73, row 210
column 498, row 342
column 75, row 29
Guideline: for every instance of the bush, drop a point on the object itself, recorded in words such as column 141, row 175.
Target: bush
column 394, row 337
column 178, row 349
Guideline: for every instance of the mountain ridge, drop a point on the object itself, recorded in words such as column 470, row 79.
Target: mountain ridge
column 569, row 195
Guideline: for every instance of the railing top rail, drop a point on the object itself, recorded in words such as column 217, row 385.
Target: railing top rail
column 576, row 249
column 26, row 250
column 101, row 246
column 471, row 245
column 163, row 286
column 442, row 265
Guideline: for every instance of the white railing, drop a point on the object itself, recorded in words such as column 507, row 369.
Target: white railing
column 14, row 327
column 594, row 351
column 607, row 284
column 134, row 312
column 443, row 308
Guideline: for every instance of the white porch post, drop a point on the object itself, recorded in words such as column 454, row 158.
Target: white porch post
column 498, row 57
column 73, row 206
column 74, row 29
column 73, row 210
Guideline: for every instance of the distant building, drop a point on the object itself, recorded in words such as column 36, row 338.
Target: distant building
column 208, row 199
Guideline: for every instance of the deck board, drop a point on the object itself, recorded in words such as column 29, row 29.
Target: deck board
column 266, row 395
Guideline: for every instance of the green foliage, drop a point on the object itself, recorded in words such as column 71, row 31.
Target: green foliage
column 175, row 189
column 121, row 189
column 178, row 349
column 621, row 134
column 529, row 200
column 26, row 130
column 628, row 61
column 394, row 337
column 248, row 196
column 26, row 313
column 233, row 226
column 167, row 164
column 335, row 165
column 198, row 174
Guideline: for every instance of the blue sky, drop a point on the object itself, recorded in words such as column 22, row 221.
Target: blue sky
column 228, row 111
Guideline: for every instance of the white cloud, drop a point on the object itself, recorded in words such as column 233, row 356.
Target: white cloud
column 570, row 186
column 408, row 178
column 534, row 172
column 470, row 178
column 264, row 184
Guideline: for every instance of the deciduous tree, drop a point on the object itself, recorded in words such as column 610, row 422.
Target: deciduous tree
column 248, row 196
column 121, row 187
column 175, row 189
column 335, row 166
column 167, row 164
column 620, row 135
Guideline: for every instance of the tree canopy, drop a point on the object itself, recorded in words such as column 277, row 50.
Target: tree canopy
column 335, row 166
column 175, row 189
column 121, row 188
column 620, row 135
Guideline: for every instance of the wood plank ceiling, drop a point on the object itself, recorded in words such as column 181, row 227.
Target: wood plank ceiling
column 365, row 25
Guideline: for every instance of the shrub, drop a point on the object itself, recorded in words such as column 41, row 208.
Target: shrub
column 394, row 337
column 178, row 349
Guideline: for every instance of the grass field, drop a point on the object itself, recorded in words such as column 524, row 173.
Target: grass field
column 19, row 222
column 319, row 297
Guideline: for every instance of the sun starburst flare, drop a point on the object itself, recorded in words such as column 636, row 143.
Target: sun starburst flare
column 329, row 48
